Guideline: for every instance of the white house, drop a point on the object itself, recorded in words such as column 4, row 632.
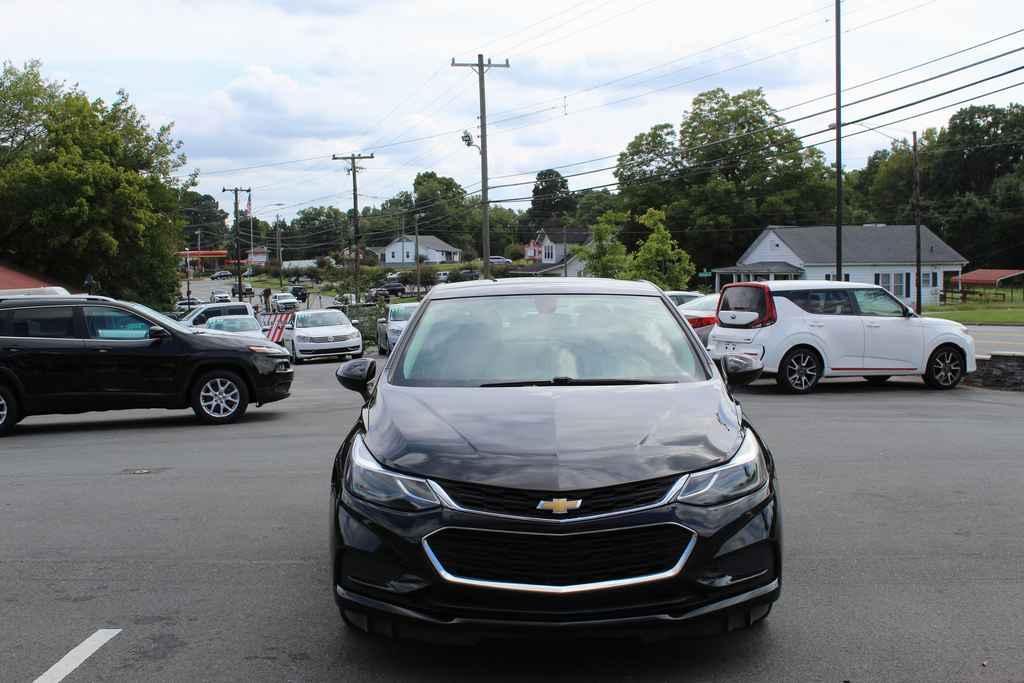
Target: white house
column 554, row 245
column 433, row 250
column 874, row 253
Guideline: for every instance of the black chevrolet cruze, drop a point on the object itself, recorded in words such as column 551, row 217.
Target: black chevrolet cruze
column 552, row 454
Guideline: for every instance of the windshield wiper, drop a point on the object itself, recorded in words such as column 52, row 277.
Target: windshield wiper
column 570, row 381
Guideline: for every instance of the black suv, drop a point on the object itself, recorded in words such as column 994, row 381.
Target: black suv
column 73, row 354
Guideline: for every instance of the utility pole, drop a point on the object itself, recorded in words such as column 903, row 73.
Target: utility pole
column 480, row 69
column 565, row 253
column 839, row 146
column 280, row 251
column 354, row 170
column 188, row 279
column 238, row 252
column 416, row 224
column 917, row 226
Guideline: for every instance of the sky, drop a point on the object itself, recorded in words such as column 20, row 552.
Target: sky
column 263, row 92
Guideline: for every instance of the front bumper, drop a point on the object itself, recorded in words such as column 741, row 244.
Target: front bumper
column 346, row 347
column 273, row 379
column 383, row 574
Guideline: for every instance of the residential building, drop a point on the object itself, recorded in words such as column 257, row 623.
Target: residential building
column 552, row 245
column 258, row 256
column 432, row 250
column 873, row 253
column 533, row 251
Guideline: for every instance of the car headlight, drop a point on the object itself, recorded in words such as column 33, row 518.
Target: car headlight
column 265, row 349
column 301, row 338
column 367, row 479
column 743, row 474
column 395, row 330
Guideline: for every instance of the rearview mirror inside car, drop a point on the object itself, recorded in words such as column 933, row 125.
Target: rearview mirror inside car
column 740, row 370
column 357, row 374
column 737, row 317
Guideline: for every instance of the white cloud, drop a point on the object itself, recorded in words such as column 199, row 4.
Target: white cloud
column 251, row 81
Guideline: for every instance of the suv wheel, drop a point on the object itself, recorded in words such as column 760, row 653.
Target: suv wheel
column 220, row 397
column 8, row 411
column 800, row 370
column 945, row 368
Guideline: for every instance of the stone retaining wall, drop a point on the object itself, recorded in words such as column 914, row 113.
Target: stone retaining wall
column 999, row 371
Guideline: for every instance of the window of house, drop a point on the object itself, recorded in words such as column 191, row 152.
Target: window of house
column 885, row 280
column 392, row 254
column 897, row 285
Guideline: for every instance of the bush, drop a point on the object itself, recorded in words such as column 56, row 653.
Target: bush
column 516, row 252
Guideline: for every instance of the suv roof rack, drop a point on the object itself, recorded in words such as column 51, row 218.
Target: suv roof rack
column 55, row 298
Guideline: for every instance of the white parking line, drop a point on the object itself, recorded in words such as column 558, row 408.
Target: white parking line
column 74, row 659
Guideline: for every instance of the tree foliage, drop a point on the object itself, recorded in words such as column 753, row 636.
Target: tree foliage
column 605, row 255
column 86, row 188
column 659, row 258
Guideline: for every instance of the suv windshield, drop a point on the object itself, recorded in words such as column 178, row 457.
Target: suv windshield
column 547, row 339
column 321, row 319
column 402, row 312
column 234, row 324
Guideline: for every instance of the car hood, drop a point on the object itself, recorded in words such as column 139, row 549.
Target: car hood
column 212, row 340
column 248, row 334
column 553, row 438
column 328, row 331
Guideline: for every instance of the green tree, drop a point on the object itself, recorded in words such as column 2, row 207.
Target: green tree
column 87, row 188
column 315, row 231
column 659, row 258
column 605, row 255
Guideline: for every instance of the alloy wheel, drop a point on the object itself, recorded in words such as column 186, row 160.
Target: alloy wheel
column 219, row 397
column 946, row 368
column 802, row 370
column 3, row 410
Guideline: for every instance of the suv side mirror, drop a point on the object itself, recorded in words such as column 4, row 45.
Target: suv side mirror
column 157, row 332
column 357, row 374
column 354, row 322
column 740, row 370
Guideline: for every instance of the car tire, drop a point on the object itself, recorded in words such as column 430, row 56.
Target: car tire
column 800, row 370
column 877, row 380
column 9, row 415
column 945, row 368
column 220, row 397
column 295, row 356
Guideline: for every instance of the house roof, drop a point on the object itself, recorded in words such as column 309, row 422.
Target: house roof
column 987, row 277
column 427, row 241
column 763, row 267
column 816, row 244
column 572, row 235
column 15, row 279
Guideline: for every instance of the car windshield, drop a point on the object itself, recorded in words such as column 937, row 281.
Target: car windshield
column 160, row 318
column 321, row 319
column 234, row 324
column 547, row 339
column 709, row 302
column 402, row 312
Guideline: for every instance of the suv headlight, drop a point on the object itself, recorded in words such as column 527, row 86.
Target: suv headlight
column 365, row 478
column 744, row 474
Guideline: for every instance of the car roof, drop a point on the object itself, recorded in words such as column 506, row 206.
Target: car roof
column 682, row 291
column 543, row 285
column 13, row 300
column 791, row 285
column 234, row 317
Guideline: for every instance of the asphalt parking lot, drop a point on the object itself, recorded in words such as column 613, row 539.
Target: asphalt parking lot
column 207, row 548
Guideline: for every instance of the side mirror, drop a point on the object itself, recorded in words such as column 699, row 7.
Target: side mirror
column 382, row 320
column 157, row 332
column 354, row 322
column 290, row 326
column 740, row 370
column 357, row 374
column 739, row 318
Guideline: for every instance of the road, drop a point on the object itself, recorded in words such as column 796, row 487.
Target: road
column 991, row 338
column 207, row 547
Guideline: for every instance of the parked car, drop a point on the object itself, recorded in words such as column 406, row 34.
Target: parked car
column 202, row 314
column 390, row 288
column 184, row 305
column 469, row 274
column 320, row 333
column 246, row 289
column 241, row 325
column 75, row 354
column 679, row 297
column 702, row 314
column 441, row 276
column 499, row 260
column 805, row 330
column 391, row 326
column 300, row 293
column 283, row 302
column 558, row 527
column 222, row 275
column 220, row 296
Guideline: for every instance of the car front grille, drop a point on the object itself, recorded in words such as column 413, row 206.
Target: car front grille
column 327, row 351
column 335, row 338
column 559, row 560
column 523, row 502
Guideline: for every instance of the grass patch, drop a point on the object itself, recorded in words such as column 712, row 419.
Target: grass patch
column 979, row 316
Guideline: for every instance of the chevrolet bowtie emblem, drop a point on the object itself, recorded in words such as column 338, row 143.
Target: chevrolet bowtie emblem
column 559, row 506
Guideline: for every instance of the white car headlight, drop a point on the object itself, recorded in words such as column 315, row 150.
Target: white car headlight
column 301, row 338
column 367, row 479
column 745, row 473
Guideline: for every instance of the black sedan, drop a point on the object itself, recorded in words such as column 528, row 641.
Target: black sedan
column 552, row 455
